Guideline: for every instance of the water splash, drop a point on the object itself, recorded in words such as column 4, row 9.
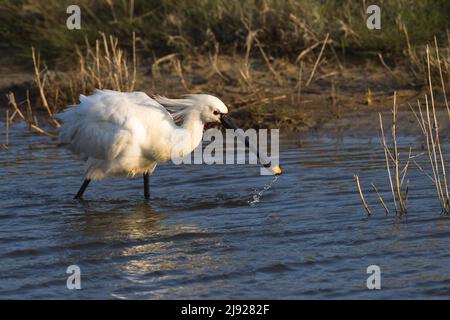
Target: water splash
column 257, row 197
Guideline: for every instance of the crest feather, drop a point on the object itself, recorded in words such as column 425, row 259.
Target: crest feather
column 177, row 107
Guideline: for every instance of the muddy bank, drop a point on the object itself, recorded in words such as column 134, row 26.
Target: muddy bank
column 259, row 93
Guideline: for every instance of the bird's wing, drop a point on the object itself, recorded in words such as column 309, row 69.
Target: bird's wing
column 137, row 98
column 105, row 123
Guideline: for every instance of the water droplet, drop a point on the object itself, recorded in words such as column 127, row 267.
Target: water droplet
column 257, row 197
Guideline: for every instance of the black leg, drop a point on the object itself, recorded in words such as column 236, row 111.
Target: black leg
column 146, row 186
column 83, row 187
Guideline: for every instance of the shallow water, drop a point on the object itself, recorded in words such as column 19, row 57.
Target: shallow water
column 202, row 235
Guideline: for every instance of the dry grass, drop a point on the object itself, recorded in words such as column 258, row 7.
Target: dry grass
column 430, row 128
column 318, row 60
column 396, row 168
column 428, row 122
column 396, row 179
column 429, row 125
column 361, row 194
column 31, row 120
column 103, row 65
column 173, row 25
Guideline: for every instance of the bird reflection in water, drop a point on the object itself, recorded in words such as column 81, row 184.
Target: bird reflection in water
column 145, row 247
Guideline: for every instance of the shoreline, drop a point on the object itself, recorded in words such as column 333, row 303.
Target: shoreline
column 293, row 104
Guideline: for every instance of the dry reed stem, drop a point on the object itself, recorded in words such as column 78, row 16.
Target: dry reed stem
column 42, row 131
column 386, row 154
column 107, row 56
column 251, row 35
column 340, row 66
column 306, row 51
column 318, row 60
column 12, row 101
column 369, row 97
column 404, row 171
column 7, row 128
column 258, row 101
column 41, row 84
column 438, row 143
column 396, row 180
column 179, row 71
column 436, row 139
column 133, row 81
column 245, row 74
column 386, row 210
column 433, row 156
column 430, row 153
column 155, row 65
column 97, row 62
column 248, row 47
column 327, row 75
column 423, row 171
column 247, row 80
column 302, row 25
column 131, row 17
column 214, row 64
column 299, row 83
column 29, row 110
column 397, row 157
column 269, row 65
column 334, row 104
column 386, row 66
column 34, row 126
column 429, row 126
column 390, row 70
column 412, row 54
column 369, row 213
column 417, row 116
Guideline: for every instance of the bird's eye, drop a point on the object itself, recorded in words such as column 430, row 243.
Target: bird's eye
column 216, row 112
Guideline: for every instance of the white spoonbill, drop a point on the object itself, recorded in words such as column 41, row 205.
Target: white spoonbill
column 128, row 133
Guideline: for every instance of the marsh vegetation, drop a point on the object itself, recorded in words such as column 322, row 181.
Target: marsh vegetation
column 276, row 63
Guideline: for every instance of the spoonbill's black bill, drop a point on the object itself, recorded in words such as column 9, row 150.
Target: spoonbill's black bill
column 229, row 123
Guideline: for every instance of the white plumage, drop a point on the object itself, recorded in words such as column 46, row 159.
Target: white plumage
column 122, row 133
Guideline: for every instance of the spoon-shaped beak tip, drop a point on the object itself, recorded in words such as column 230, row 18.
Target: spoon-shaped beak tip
column 277, row 170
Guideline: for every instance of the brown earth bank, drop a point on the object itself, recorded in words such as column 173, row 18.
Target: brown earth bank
column 260, row 93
